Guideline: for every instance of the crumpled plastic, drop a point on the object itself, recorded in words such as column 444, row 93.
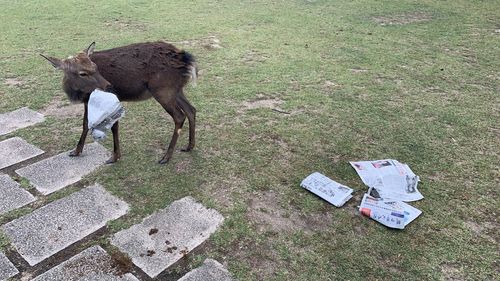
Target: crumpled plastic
column 104, row 109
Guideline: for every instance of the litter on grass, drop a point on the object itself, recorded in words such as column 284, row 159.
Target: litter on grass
column 330, row 190
column 104, row 109
column 393, row 214
column 392, row 179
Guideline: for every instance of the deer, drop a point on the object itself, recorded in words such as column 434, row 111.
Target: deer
column 134, row 72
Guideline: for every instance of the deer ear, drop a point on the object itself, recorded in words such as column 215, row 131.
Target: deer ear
column 90, row 50
column 56, row 63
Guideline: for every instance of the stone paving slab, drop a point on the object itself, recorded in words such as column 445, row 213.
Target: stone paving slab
column 167, row 235
column 18, row 119
column 91, row 264
column 211, row 270
column 15, row 150
column 12, row 195
column 7, row 269
column 57, row 172
column 53, row 227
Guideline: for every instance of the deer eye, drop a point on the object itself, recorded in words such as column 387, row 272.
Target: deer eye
column 83, row 73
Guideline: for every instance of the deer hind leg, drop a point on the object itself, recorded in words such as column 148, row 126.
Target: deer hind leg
column 190, row 112
column 168, row 101
column 79, row 148
column 116, row 145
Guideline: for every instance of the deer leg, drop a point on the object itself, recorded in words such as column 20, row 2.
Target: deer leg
column 79, row 148
column 190, row 112
column 168, row 102
column 116, row 145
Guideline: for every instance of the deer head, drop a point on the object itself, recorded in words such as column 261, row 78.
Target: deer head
column 81, row 75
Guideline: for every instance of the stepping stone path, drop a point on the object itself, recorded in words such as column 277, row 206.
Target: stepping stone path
column 52, row 228
column 59, row 171
column 153, row 245
column 169, row 234
column 211, row 270
column 7, row 269
column 12, row 195
column 91, row 264
column 15, row 150
column 18, row 119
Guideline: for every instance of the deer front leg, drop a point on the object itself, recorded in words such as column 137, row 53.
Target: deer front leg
column 79, row 148
column 116, row 145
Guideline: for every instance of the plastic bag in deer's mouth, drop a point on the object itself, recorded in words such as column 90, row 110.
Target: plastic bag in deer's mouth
column 104, row 109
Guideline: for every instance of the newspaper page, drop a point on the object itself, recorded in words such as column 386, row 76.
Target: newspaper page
column 330, row 190
column 393, row 214
column 391, row 179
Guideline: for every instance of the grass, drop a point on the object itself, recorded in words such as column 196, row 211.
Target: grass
column 412, row 80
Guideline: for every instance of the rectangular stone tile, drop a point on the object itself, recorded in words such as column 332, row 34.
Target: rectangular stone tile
column 54, row 227
column 12, row 195
column 211, row 270
column 91, row 264
column 167, row 235
column 57, row 172
column 18, row 119
column 7, row 269
column 15, row 150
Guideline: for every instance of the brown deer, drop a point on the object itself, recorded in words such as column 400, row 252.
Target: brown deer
column 133, row 73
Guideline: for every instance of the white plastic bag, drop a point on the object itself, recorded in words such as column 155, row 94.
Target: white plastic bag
column 104, row 109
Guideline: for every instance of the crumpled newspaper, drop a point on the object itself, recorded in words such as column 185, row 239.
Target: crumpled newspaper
column 104, row 109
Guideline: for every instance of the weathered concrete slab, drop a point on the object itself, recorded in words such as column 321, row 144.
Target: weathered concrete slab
column 18, row 119
column 7, row 269
column 51, row 228
column 211, row 270
column 12, row 195
column 91, row 264
column 57, row 172
column 166, row 236
column 15, row 150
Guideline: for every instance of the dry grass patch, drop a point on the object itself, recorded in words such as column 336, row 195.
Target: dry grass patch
column 402, row 19
column 268, row 215
column 63, row 109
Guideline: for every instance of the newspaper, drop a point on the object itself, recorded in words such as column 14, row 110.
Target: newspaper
column 104, row 109
column 331, row 191
column 392, row 179
column 393, row 214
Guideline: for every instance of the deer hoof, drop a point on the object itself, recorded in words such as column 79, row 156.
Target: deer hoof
column 163, row 161
column 111, row 160
column 74, row 153
column 187, row 149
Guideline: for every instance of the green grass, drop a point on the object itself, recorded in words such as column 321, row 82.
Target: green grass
column 423, row 92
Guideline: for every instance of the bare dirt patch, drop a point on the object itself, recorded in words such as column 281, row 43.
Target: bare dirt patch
column 127, row 24
column 210, row 43
column 267, row 214
column 402, row 19
column 451, row 273
column 358, row 70
column 262, row 101
column 183, row 166
column 63, row 109
column 253, row 56
column 13, row 82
